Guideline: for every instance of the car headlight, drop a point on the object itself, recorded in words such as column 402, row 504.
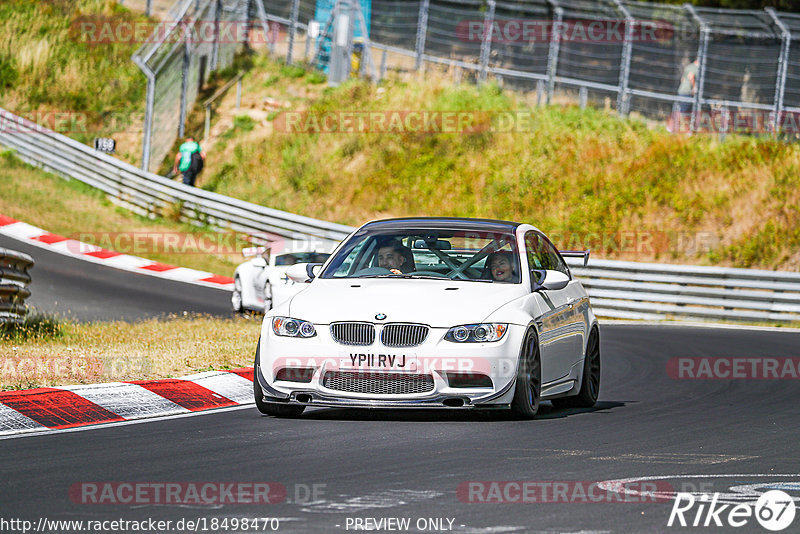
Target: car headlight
column 286, row 326
column 476, row 333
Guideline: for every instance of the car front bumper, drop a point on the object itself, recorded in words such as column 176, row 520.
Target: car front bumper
column 435, row 357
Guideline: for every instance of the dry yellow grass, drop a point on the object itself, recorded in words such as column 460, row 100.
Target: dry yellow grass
column 117, row 351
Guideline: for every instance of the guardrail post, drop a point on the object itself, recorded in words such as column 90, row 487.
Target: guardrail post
column 552, row 53
column 292, row 30
column 625, row 66
column 486, row 42
column 422, row 32
column 14, row 279
column 783, row 63
column 702, row 52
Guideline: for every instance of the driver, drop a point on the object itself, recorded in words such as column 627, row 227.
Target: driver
column 501, row 266
column 392, row 255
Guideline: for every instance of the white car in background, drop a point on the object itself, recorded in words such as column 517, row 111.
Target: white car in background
column 261, row 282
column 432, row 313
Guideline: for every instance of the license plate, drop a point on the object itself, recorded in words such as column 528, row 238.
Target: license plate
column 378, row 361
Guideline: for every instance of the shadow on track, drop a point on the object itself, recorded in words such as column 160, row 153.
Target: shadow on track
column 432, row 415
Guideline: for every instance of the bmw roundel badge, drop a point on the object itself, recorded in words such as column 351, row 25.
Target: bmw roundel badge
column 380, row 316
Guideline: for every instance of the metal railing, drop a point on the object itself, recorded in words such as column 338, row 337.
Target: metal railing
column 14, row 280
column 221, row 92
column 653, row 291
column 147, row 193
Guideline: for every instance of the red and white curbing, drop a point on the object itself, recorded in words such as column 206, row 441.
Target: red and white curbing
column 62, row 407
column 70, row 247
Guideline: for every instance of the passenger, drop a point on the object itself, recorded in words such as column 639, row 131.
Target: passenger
column 501, row 267
column 393, row 255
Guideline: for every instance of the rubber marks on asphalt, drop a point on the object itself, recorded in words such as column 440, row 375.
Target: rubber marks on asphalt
column 74, row 406
column 70, row 247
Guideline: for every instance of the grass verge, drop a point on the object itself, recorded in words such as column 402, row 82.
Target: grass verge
column 57, row 73
column 88, row 353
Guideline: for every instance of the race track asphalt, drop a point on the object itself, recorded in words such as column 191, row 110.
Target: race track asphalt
column 85, row 291
column 738, row 434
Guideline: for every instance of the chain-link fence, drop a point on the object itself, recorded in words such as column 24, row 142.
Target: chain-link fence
column 626, row 55
column 195, row 38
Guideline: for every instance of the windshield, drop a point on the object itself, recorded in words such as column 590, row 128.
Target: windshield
column 428, row 253
column 301, row 257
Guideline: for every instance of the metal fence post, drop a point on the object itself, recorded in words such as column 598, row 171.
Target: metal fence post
column 215, row 48
column 422, row 32
column 486, row 42
column 702, row 52
column 187, row 58
column 265, row 26
column 783, row 63
column 148, row 10
column 292, row 30
column 625, row 66
column 552, row 53
column 147, row 135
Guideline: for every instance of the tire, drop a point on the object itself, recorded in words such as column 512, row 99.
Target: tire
column 528, row 389
column 590, row 383
column 236, row 296
column 269, row 408
column 267, row 297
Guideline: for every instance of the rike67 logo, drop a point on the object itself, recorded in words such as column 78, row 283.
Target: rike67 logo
column 774, row 510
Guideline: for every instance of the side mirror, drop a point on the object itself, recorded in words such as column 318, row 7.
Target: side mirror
column 548, row 280
column 260, row 261
column 303, row 272
column 250, row 252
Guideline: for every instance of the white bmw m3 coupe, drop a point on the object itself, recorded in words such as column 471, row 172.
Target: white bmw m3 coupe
column 432, row 313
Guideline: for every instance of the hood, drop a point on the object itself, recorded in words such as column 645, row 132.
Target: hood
column 437, row 303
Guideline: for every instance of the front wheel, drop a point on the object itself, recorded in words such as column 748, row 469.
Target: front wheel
column 528, row 388
column 590, row 384
column 236, row 296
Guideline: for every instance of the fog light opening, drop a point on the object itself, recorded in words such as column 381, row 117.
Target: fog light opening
column 454, row 402
column 303, row 398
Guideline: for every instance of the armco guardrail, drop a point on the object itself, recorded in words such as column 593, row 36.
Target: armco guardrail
column 14, row 279
column 654, row 291
column 148, row 193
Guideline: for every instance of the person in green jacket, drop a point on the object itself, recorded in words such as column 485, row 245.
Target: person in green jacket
column 187, row 162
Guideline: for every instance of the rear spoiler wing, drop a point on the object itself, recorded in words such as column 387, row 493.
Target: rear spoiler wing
column 576, row 254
